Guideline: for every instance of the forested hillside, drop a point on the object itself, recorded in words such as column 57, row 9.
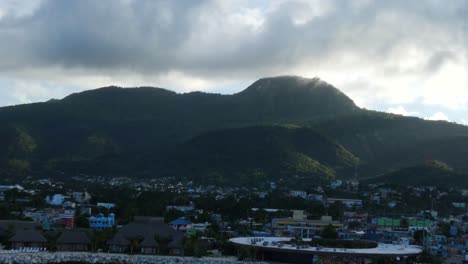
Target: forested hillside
column 278, row 128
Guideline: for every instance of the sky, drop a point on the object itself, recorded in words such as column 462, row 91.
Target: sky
column 404, row 57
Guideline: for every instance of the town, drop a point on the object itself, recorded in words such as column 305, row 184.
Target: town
column 181, row 218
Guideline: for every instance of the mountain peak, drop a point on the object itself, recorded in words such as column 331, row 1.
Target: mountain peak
column 302, row 94
column 115, row 92
column 284, row 82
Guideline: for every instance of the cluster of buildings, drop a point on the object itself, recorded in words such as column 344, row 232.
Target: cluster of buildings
column 61, row 211
column 439, row 235
column 144, row 235
column 54, row 227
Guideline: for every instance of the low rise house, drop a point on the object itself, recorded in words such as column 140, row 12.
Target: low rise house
column 56, row 199
column 181, row 224
column 464, row 192
column 106, row 205
column 435, row 240
column 295, row 193
column 298, row 225
column 10, row 187
column 73, row 241
column 28, row 238
column 336, row 184
column 118, row 244
column 181, row 208
column 146, row 229
column 352, row 185
column 85, row 210
column 149, row 246
column 66, row 218
column 315, row 197
column 100, row 222
column 68, row 204
column 200, row 226
column 346, row 202
column 459, row 204
column 81, row 197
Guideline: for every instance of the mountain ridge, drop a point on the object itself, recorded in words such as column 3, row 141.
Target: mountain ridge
column 436, row 173
column 113, row 130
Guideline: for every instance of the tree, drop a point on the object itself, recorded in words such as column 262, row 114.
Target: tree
column 194, row 246
column 134, row 242
column 444, row 228
column 354, row 225
column 261, row 216
column 23, row 144
column 418, row 236
column 163, row 242
column 213, row 230
column 18, row 166
column 172, row 214
column 336, row 210
column 100, row 237
column 37, row 201
column 329, row 232
column 82, row 221
column 7, row 234
column 426, row 257
column 315, row 209
column 19, row 152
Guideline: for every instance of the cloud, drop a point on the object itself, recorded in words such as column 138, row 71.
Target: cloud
column 438, row 116
column 400, row 110
column 378, row 52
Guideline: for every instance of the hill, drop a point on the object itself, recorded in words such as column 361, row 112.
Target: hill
column 255, row 154
column 386, row 142
column 431, row 173
column 114, row 123
column 147, row 132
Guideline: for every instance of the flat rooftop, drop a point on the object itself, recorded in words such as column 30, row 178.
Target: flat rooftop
column 380, row 250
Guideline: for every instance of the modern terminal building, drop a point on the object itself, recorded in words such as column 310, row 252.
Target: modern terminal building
column 282, row 249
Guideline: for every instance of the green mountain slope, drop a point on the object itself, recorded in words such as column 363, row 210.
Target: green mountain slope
column 113, row 122
column 149, row 131
column 385, row 142
column 261, row 153
column 431, row 173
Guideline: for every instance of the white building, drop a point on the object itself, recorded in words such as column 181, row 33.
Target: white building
column 81, row 197
column 346, row 202
column 336, row 184
column 181, row 208
column 301, row 194
column 56, row 199
column 10, row 187
column 106, row 205
column 459, row 205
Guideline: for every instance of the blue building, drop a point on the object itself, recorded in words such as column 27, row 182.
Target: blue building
column 99, row 222
column 181, row 224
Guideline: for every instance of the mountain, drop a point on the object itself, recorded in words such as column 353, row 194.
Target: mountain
column 431, row 173
column 114, row 121
column 291, row 98
column 386, row 142
column 256, row 154
column 158, row 116
column 151, row 132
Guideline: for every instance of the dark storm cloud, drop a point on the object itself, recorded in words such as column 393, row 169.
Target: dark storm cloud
column 381, row 53
column 98, row 33
column 200, row 36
